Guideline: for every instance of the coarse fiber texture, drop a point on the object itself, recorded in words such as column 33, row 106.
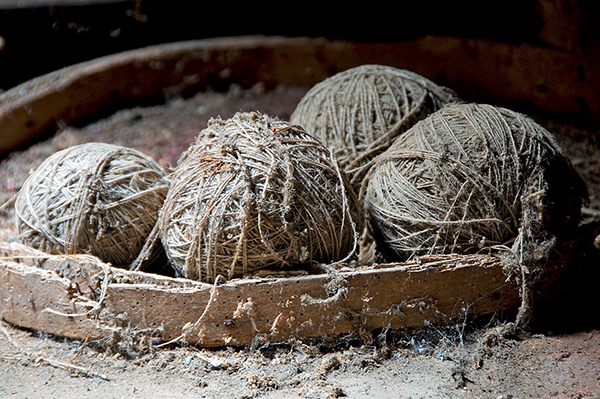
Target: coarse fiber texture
column 468, row 177
column 255, row 192
column 360, row 111
column 94, row 198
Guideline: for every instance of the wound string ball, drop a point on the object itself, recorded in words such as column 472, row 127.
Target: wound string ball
column 256, row 192
column 359, row 112
column 95, row 198
column 471, row 176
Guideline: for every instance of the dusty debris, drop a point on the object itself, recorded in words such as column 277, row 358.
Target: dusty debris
column 513, row 368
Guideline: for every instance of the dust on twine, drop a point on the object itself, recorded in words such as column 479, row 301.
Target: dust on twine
column 360, row 111
column 474, row 177
column 256, row 192
column 94, row 198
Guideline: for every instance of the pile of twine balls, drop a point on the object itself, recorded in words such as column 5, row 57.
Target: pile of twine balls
column 372, row 154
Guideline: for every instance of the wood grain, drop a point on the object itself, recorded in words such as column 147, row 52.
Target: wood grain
column 431, row 289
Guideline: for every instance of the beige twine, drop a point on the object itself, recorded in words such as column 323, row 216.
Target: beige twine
column 474, row 176
column 95, row 198
column 359, row 112
column 255, row 192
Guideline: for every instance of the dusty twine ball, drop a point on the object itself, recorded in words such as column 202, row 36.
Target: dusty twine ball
column 359, row 112
column 95, row 198
column 255, row 192
column 471, row 176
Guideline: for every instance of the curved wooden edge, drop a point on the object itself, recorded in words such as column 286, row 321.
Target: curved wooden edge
column 151, row 75
column 477, row 69
column 53, row 294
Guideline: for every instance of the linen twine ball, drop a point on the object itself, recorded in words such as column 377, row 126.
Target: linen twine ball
column 472, row 176
column 256, row 192
column 359, row 112
column 95, row 198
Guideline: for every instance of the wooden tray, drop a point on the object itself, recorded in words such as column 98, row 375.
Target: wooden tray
column 83, row 298
column 80, row 297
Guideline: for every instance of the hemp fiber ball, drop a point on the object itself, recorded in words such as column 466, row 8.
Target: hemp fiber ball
column 359, row 112
column 256, row 192
column 95, row 198
column 471, row 176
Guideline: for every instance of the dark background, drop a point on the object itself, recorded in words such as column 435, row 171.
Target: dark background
column 39, row 36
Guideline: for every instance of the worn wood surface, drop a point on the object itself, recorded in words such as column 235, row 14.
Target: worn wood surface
column 80, row 297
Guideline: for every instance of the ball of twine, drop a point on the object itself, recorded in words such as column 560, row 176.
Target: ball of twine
column 256, row 192
column 471, row 176
column 95, row 198
column 359, row 112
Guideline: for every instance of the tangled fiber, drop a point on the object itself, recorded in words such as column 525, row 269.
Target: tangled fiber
column 95, row 198
column 256, row 192
column 359, row 112
column 471, row 176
